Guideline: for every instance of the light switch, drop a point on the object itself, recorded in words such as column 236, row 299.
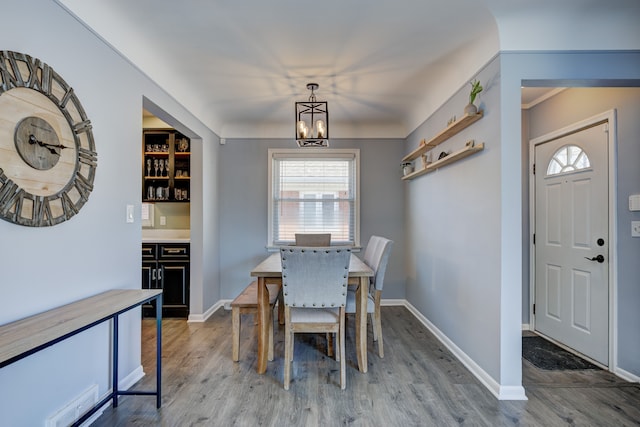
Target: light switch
column 634, row 202
column 163, row 220
column 130, row 214
column 635, row 228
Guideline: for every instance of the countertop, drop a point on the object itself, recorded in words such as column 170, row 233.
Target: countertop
column 165, row 236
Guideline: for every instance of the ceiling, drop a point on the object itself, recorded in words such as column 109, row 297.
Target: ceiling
column 383, row 66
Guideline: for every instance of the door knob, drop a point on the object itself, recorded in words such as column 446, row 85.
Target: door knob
column 598, row 258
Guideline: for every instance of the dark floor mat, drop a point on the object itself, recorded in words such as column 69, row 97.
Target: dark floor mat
column 546, row 355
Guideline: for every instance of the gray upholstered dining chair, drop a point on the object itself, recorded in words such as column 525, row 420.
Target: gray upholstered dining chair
column 313, row 239
column 376, row 256
column 314, row 286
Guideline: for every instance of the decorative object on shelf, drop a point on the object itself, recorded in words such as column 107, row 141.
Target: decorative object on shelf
column 476, row 88
column 48, row 157
column 183, row 145
column 312, row 121
column 442, row 155
column 407, row 168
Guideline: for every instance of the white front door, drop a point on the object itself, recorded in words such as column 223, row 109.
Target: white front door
column 572, row 241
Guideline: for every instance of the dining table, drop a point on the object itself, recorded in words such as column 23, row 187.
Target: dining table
column 270, row 270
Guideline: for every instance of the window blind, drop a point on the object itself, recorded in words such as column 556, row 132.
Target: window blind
column 313, row 195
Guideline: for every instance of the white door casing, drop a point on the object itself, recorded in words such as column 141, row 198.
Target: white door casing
column 571, row 225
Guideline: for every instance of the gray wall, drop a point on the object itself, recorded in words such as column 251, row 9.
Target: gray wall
column 466, row 235
column 243, row 217
column 453, row 229
column 574, row 105
column 96, row 250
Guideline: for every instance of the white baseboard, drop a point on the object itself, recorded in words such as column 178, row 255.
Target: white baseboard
column 499, row 391
column 198, row 318
column 127, row 382
column 390, row 302
column 526, row 327
column 625, row 375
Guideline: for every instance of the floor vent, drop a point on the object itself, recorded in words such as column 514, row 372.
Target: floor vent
column 75, row 409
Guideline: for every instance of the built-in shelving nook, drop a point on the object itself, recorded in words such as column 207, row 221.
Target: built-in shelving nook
column 426, row 146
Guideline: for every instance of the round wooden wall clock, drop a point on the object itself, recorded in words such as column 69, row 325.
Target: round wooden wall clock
column 47, row 152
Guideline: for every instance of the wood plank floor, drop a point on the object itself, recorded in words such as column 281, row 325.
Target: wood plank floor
column 418, row 383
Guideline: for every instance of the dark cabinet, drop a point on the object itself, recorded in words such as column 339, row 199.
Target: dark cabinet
column 166, row 168
column 166, row 266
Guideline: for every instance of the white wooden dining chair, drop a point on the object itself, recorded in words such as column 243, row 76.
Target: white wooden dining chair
column 314, row 286
column 376, row 256
column 313, row 239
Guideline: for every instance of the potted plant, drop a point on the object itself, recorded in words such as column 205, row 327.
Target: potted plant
column 476, row 88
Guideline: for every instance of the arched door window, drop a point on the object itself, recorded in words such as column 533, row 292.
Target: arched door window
column 568, row 158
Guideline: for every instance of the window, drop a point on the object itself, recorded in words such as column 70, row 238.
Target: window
column 568, row 158
column 313, row 191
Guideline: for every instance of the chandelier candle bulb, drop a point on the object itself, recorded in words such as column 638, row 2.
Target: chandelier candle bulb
column 320, row 129
column 302, row 129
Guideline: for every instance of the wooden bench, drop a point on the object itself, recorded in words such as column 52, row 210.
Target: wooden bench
column 247, row 303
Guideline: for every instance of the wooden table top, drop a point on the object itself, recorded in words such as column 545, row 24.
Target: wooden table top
column 272, row 267
column 36, row 332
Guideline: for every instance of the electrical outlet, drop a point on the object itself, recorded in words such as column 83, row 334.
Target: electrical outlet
column 635, row 228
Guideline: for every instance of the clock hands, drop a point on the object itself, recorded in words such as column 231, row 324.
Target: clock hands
column 50, row 147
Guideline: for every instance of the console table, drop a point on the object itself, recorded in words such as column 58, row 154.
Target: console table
column 24, row 337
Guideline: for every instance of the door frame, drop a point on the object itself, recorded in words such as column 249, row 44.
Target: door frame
column 610, row 117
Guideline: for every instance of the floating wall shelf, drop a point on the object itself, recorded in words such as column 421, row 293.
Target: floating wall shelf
column 453, row 157
column 425, row 146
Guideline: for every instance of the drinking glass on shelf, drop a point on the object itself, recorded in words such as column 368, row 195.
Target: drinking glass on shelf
column 155, row 167
column 151, row 192
column 161, row 167
column 148, row 167
column 166, row 166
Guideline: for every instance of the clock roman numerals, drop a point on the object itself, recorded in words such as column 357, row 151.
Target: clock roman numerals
column 8, row 70
column 11, row 201
column 83, row 126
column 39, row 76
column 39, row 210
column 68, row 208
column 67, row 95
column 83, row 186
column 87, row 157
column 35, row 74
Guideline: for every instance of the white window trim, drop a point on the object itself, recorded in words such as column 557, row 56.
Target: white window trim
column 307, row 153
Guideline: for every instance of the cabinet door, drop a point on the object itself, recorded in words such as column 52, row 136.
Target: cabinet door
column 149, row 269
column 149, row 281
column 174, row 280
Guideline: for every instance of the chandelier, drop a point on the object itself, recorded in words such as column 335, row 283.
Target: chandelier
column 312, row 121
